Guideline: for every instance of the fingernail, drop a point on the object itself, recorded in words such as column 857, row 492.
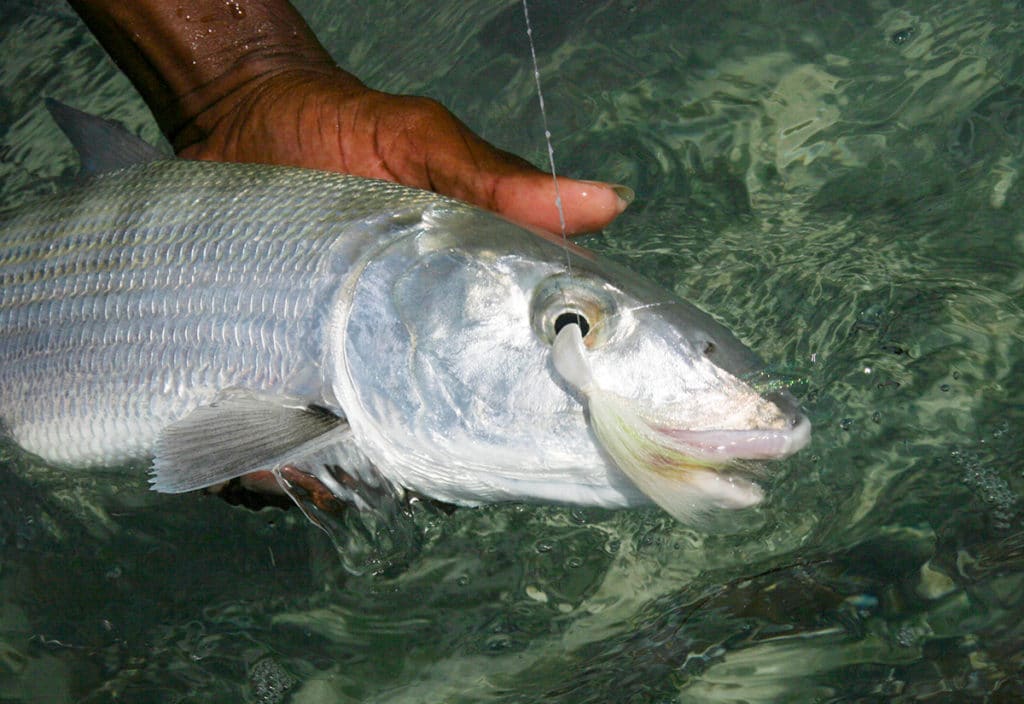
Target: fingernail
column 625, row 195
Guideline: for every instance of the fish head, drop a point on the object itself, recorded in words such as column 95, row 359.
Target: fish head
column 480, row 362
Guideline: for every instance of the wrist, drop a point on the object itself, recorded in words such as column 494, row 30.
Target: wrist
column 192, row 63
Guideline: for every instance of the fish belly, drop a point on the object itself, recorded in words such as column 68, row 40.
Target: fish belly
column 129, row 301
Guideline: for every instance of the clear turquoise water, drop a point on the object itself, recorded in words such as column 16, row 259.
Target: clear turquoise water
column 837, row 182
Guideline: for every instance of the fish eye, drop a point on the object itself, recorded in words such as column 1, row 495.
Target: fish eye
column 562, row 300
column 570, row 317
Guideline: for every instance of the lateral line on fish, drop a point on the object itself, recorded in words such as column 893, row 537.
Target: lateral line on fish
column 547, row 135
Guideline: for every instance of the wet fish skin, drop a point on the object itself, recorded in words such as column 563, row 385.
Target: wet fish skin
column 133, row 299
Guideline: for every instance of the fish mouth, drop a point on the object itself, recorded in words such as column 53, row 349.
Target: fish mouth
column 723, row 446
column 689, row 473
column 683, row 470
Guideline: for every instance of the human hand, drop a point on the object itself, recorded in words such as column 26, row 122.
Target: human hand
column 254, row 84
column 324, row 119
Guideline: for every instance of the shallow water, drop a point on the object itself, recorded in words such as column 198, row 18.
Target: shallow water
column 837, row 182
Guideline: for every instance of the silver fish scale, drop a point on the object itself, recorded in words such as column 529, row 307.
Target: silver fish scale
column 128, row 301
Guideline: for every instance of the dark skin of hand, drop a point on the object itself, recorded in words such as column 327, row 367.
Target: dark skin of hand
column 251, row 83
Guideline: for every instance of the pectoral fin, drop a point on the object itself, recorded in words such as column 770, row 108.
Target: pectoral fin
column 241, row 432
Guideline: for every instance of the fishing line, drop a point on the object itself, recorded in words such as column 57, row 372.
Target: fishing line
column 547, row 138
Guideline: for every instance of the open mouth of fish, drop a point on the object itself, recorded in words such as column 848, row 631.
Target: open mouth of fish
column 685, row 471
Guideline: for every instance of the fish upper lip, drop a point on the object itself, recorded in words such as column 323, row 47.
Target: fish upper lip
column 754, row 444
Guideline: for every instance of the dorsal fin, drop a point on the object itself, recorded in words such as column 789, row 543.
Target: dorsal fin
column 102, row 145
